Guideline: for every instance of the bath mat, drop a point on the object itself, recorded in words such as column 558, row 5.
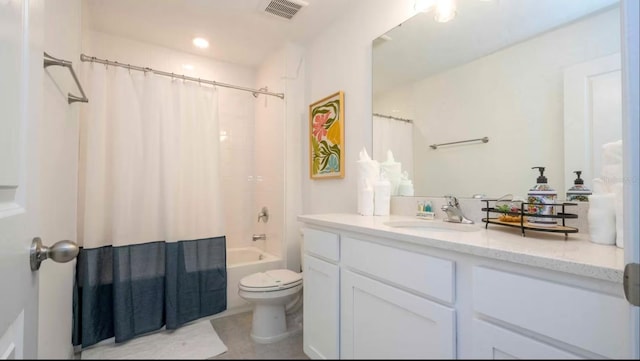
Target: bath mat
column 195, row 341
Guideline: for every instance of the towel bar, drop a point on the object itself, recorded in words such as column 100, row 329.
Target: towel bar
column 484, row 140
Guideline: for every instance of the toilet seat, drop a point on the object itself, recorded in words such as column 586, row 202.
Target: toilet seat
column 273, row 280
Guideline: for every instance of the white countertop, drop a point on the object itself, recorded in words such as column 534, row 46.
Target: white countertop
column 576, row 255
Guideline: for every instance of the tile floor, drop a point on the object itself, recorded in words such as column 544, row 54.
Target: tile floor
column 234, row 331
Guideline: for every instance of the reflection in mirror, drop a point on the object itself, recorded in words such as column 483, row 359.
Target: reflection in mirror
column 539, row 78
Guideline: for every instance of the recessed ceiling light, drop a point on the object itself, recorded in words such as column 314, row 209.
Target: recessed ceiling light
column 187, row 66
column 445, row 10
column 424, row 5
column 201, row 43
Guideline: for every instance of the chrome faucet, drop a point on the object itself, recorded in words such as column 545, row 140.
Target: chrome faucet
column 263, row 215
column 453, row 211
column 260, row 236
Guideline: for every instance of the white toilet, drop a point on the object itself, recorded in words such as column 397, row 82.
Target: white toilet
column 271, row 293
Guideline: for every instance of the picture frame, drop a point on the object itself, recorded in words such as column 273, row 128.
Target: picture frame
column 326, row 137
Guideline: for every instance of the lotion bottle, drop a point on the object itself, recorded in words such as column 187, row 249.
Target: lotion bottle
column 578, row 192
column 539, row 195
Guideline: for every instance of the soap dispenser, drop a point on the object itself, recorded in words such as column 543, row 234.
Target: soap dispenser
column 538, row 195
column 578, row 192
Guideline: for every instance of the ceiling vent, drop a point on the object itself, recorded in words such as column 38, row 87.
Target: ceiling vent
column 285, row 9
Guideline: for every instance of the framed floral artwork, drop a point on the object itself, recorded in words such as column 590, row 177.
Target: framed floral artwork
column 326, row 124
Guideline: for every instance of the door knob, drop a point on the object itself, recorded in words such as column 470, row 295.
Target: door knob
column 61, row 252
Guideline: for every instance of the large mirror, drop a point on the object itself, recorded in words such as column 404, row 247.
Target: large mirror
column 512, row 84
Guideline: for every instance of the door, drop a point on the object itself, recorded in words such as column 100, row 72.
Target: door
column 592, row 115
column 18, row 203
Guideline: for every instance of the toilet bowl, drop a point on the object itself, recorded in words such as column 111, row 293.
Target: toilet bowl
column 271, row 293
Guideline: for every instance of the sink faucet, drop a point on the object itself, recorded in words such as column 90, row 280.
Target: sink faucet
column 454, row 213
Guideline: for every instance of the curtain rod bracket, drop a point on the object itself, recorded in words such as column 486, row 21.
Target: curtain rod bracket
column 50, row 60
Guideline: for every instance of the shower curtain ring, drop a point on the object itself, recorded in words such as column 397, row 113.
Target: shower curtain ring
column 199, row 84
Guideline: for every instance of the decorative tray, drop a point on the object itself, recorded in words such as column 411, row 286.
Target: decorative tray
column 518, row 217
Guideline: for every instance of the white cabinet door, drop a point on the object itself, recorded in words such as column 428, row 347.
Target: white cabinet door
column 321, row 308
column 589, row 320
column 380, row 321
column 496, row 343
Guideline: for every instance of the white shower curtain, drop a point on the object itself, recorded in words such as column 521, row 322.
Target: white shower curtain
column 149, row 213
column 397, row 136
column 149, row 160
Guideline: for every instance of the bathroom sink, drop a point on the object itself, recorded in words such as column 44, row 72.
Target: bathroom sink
column 437, row 225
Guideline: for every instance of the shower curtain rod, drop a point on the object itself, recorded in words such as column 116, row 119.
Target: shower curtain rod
column 392, row 117
column 255, row 92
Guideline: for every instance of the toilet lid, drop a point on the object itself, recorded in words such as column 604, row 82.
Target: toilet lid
column 271, row 280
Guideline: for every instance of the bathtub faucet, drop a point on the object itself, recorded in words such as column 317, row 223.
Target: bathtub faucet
column 259, row 236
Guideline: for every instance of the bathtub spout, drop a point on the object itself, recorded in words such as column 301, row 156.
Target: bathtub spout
column 259, row 236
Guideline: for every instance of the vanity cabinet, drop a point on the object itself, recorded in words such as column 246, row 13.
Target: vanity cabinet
column 387, row 303
column 375, row 296
column 572, row 317
column 381, row 321
column 321, row 287
column 497, row 343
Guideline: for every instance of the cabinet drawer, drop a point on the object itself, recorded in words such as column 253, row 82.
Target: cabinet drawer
column 586, row 319
column 429, row 276
column 322, row 244
column 497, row 343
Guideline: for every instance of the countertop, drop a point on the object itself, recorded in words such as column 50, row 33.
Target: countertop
column 576, row 254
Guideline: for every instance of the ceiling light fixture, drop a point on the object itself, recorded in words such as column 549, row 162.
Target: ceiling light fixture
column 201, row 43
column 423, row 5
column 445, row 10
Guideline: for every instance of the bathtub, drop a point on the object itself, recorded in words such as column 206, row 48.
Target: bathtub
column 242, row 262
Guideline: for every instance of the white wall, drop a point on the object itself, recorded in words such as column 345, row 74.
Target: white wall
column 296, row 117
column 58, row 149
column 236, row 111
column 514, row 97
column 340, row 59
column 278, row 129
column 269, row 154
